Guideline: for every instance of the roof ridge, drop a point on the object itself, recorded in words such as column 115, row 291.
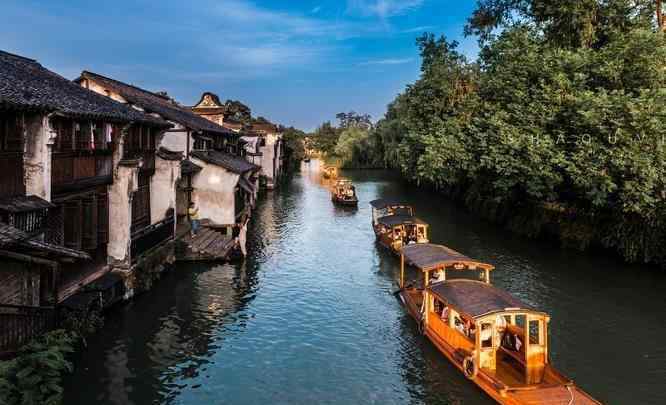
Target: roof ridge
column 20, row 57
column 152, row 93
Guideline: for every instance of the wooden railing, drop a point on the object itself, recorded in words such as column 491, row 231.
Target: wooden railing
column 152, row 236
column 20, row 324
column 70, row 168
column 11, row 180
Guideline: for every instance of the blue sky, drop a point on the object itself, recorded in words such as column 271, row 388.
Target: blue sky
column 294, row 62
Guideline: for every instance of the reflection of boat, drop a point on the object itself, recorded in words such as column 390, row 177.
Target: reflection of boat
column 395, row 225
column 344, row 193
column 496, row 340
column 330, row 172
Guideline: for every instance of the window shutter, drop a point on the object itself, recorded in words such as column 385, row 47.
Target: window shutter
column 14, row 134
column 90, row 223
column 72, row 222
column 102, row 218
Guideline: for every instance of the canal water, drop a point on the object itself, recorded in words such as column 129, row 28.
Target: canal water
column 310, row 318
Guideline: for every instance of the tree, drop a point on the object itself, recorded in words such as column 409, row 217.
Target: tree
column 237, row 111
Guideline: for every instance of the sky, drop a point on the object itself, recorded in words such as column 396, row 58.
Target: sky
column 296, row 62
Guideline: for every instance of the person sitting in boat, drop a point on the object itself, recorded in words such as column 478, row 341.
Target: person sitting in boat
column 486, row 333
column 420, row 238
column 445, row 314
column 512, row 342
column 459, row 325
column 438, row 276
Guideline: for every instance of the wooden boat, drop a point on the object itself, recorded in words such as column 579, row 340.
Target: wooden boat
column 497, row 341
column 344, row 193
column 396, row 231
column 330, row 172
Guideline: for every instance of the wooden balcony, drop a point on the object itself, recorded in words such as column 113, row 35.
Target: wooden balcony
column 11, row 167
column 76, row 171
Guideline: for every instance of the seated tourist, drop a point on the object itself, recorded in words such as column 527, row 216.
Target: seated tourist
column 445, row 314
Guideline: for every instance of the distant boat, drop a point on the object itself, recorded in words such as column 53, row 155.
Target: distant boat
column 330, row 172
column 497, row 341
column 344, row 193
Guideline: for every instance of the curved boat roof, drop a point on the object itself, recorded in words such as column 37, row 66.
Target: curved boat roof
column 393, row 220
column 477, row 299
column 387, row 202
column 428, row 256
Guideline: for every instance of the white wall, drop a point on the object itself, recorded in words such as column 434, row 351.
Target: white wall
column 37, row 156
column 163, row 188
column 213, row 193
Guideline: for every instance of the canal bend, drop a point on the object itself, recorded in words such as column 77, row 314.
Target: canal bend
column 310, row 317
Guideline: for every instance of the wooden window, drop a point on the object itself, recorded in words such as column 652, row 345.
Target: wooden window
column 141, row 204
column 536, row 335
column 89, row 228
column 11, row 132
column 72, row 224
column 99, row 135
column 102, row 218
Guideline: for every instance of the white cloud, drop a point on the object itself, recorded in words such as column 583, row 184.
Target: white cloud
column 389, row 61
column 421, row 28
column 315, row 10
column 382, row 8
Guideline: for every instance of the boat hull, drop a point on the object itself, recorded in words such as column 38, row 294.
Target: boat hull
column 565, row 394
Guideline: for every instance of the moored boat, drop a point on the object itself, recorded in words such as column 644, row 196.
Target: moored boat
column 496, row 340
column 343, row 193
column 396, row 231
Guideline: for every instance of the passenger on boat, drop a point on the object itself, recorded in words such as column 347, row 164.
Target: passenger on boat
column 512, row 342
column 445, row 314
column 486, row 333
column 459, row 325
column 438, row 276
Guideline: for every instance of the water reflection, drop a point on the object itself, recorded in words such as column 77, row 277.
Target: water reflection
column 310, row 317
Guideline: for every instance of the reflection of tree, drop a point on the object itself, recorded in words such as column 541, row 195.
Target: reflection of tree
column 164, row 336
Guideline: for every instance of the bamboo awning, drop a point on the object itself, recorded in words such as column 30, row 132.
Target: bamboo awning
column 393, row 220
column 428, row 256
column 476, row 298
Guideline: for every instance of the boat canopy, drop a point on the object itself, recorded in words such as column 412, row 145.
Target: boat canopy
column 478, row 299
column 393, row 220
column 382, row 203
column 428, row 256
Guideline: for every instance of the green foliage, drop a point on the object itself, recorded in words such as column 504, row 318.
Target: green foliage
column 34, row 376
column 295, row 143
column 565, row 107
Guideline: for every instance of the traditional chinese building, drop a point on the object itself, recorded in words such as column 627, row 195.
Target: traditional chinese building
column 261, row 141
column 214, row 173
column 63, row 156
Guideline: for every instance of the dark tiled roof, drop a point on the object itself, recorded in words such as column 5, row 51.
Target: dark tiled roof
column 152, row 102
column 387, row 202
column 477, row 298
column 167, row 154
column 24, row 204
column 27, row 85
column 393, row 220
column 428, row 256
column 230, row 162
column 17, row 240
column 188, row 167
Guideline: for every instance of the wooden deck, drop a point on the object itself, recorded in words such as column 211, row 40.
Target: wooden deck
column 208, row 245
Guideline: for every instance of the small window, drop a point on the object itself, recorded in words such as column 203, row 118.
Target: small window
column 486, row 335
column 521, row 320
column 536, row 337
